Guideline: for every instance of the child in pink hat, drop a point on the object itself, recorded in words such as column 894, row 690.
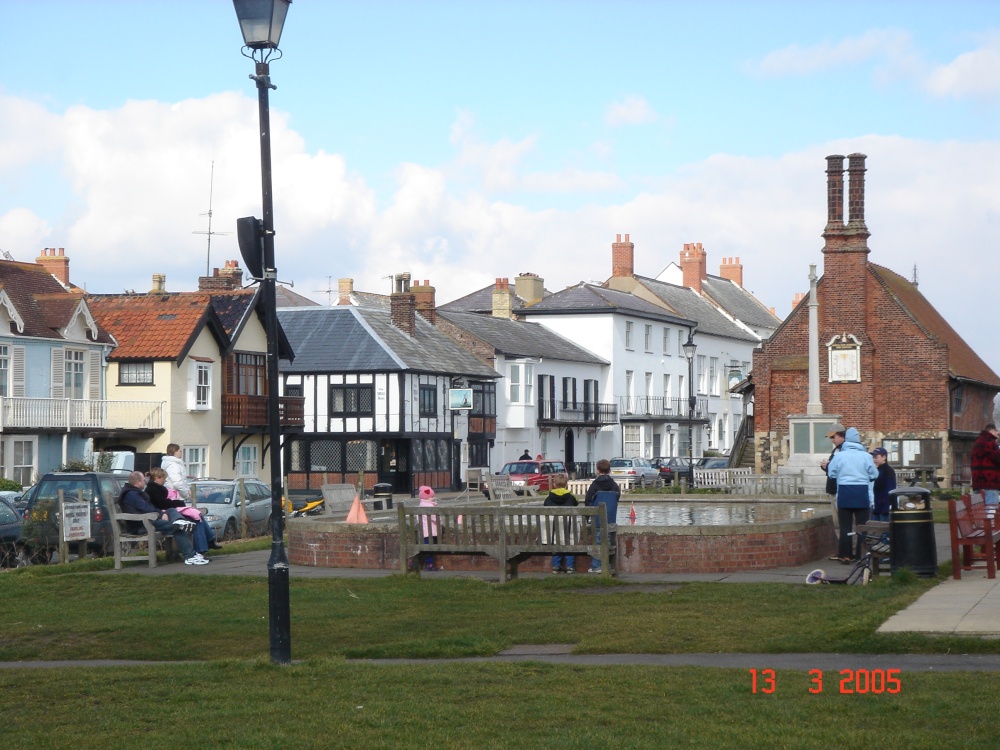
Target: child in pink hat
column 426, row 495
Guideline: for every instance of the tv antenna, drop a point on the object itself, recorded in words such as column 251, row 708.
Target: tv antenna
column 7, row 255
column 328, row 291
column 208, row 257
column 916, row 280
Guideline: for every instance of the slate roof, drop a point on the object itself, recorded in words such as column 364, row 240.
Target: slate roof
column 359, row 339
column 44, row 305
column 587, row 298
column 481, row 301
column 156, row 326
column 963, row 362
column 519, row 339
column 738, row 302
column 689, row 304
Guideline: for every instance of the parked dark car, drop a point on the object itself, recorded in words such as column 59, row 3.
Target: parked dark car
column 671, row 467
column 10, row 535
column 712, row 462
column 41, row 512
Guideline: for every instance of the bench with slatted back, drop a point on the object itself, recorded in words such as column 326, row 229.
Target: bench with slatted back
column 975, row 539
column 136, row 546
column 508, row 535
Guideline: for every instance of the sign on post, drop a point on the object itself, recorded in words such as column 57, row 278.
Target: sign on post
column 76, row 522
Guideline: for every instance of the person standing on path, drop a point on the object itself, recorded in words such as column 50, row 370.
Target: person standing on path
column 560, row 497
column 604, row 490
column 985, row 464
column 885, row 484
column 854, row 470
column 173, row 464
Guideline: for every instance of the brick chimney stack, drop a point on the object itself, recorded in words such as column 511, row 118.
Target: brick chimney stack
column 694, row 265
column 529, row 287
column 222, row 280
column 233, row 272
column 834, row 194
column 732, row 269
column 503, row 302
column 856, row 198
column 402, row 306
column 55, row 263
column 345, row 288
column 622, row 257
column 799, row 296
column 159, row 284
column 423, row 295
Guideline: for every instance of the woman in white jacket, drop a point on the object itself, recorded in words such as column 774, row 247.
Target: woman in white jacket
column 173, row 464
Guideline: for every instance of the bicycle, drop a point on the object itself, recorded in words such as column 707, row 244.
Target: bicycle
column 860, row 574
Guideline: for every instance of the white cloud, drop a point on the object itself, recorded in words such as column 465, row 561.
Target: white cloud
column 972, row 74
column 883, row 45
column 632, row 110
column 129, row 186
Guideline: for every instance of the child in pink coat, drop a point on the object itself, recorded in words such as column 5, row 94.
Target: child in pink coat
column 426, row 495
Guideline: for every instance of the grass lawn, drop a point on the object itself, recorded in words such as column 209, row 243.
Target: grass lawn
column 333, row 704
column 236, row 698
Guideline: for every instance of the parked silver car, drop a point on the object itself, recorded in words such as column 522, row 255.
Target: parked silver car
column 640, row 470
column 228, row 504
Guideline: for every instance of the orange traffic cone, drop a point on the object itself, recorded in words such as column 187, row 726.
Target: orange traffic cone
column 631, row 514
column 357, row 513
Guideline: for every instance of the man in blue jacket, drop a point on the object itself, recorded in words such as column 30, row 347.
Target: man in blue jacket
column 854, row 470
column 603, row 490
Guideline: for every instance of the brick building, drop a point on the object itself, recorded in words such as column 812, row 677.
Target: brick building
column 888, row 362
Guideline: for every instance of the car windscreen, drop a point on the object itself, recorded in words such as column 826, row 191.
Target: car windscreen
column 72, row 489
column 520, row 468
column 209, row 493
column 620, row 462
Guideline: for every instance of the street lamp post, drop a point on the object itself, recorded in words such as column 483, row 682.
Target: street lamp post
column 689, row 350
column 261, row 22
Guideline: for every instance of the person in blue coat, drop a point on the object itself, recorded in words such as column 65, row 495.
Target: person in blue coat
column 854, row 470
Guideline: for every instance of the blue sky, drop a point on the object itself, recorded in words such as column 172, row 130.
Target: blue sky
column 466, row 141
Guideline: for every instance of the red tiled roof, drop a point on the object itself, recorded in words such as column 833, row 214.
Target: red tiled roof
column 42, row 302
column 963, row 362
column 152, row 326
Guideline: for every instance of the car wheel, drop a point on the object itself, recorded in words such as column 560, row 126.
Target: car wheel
column 229, row 534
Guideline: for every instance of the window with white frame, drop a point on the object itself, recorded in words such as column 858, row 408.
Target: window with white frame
column 520, row 377
column 649, row 338
column 629, row 392
column 666, row 388
column 200, row 385
column 628, row 334
column 702, row 385
column 75, row 374
column 196, row 460
column 247, row 464
column 713, row 375
column 649, row 385
column 666, row 342
column 22, row 467
column 632, row 437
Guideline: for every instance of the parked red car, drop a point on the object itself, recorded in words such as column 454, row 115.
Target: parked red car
column 535, row 473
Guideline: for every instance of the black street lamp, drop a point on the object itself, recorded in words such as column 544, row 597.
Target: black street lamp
column 261, row 22
column 689, row 350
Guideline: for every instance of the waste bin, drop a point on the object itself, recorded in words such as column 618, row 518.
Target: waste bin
column 911, row 531
column 382, row 497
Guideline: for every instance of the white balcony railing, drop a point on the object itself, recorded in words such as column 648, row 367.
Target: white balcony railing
column 72, row 414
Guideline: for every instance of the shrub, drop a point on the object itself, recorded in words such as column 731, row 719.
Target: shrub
column 10, row 485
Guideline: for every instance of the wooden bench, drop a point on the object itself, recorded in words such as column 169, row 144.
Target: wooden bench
column 132, row 546
column 975, row 539
column 880, row 550
column 500, row 488
column 724, row 479
column 508, row 535
column 338, row 498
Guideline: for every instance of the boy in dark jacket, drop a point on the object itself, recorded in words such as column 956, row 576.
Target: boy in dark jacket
column 885, row 483
column 605, row 490
column 559, row 496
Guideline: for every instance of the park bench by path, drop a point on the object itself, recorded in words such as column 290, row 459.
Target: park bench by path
column 135, row 546
column 724, row 479
column 508, row 535
column 975, row 539
column 755, row 485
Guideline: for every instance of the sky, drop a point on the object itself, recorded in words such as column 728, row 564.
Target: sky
column 466, row 141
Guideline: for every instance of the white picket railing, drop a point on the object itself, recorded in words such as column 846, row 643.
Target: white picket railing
column 82, row 414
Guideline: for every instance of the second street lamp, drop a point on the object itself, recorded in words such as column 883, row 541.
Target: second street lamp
column 261, row 22
column 689, row 350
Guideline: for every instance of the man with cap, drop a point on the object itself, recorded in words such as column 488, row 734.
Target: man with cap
column 837, row 435
column 885, row 483
column 985, row 464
